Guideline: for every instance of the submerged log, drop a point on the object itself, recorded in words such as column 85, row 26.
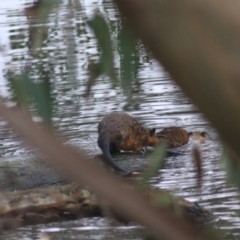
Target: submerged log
column 58, row 203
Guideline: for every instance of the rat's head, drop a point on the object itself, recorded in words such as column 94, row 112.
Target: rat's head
column 153, row 139
column 201, row 136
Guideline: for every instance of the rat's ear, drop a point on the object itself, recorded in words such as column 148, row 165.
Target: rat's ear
column 152, row 131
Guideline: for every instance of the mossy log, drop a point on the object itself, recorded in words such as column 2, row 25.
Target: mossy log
column 64, row 202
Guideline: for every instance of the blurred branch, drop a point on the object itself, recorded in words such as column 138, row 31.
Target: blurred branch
column 198, row 44
column 36, row 14
column 86, row 172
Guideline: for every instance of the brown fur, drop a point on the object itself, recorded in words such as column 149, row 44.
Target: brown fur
column 125, row 132
column 173, row 136
column 119, row 131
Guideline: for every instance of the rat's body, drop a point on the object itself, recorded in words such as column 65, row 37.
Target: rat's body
column 173, row 136
column 119, row 131
column 176, row 136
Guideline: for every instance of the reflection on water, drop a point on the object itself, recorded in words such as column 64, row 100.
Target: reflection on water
column 81, row 229
column 156, row 102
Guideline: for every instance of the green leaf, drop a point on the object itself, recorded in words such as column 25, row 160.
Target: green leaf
column 39, row 11
column 127, row 51
column 26, row 90
column 19, row 91
column 155, row 163
column 232, row 167
column 45, row 7
column 101, row 30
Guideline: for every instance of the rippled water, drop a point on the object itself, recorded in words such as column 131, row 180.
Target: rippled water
column 157, row 102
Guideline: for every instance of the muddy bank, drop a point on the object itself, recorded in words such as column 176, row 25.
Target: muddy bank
column 27, row 172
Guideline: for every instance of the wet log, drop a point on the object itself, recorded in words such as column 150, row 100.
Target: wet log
column 43, row 205
column 64, row 202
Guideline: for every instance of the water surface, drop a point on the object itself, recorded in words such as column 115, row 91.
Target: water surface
column 157, row 102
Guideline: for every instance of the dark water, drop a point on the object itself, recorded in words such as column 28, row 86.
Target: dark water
column 156, row 102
